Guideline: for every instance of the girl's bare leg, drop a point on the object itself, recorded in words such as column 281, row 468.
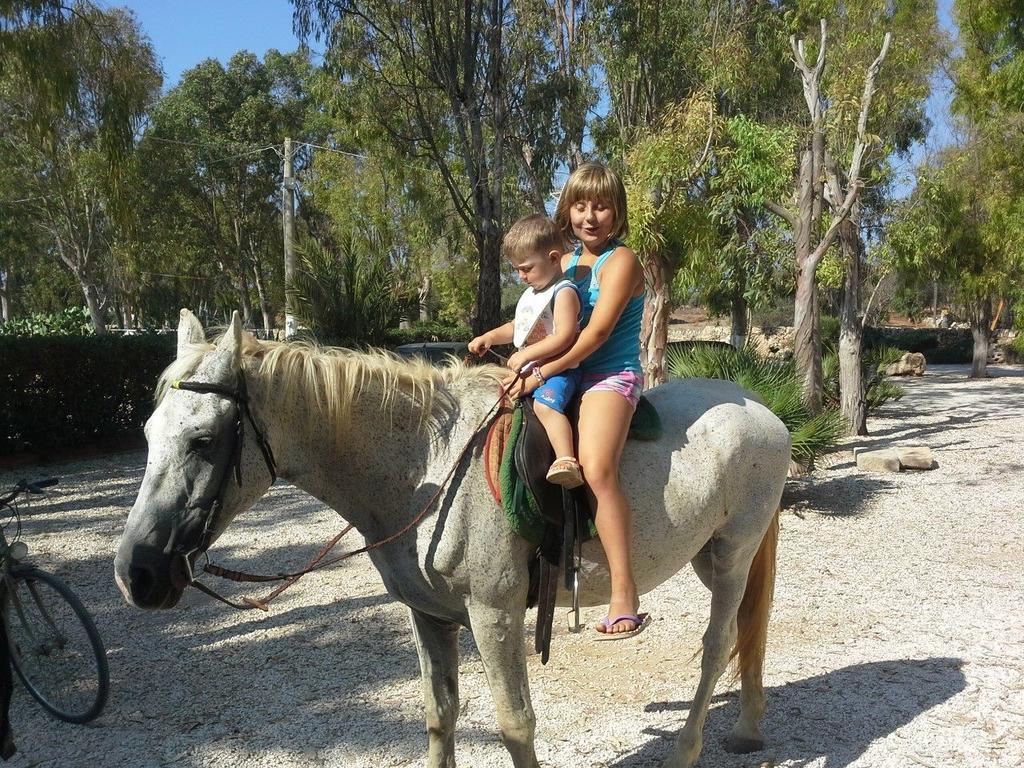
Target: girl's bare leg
column 603, row 428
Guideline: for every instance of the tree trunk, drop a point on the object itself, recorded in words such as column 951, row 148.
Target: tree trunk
column 488, row 290
column 5, row 307
column 654, row 327
column 268, row 317
column 738, row 316
column 981, row 316
column 807, row 337
column 852, row 401
column 92, row 301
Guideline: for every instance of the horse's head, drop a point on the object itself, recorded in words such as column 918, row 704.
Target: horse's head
column 207, row 462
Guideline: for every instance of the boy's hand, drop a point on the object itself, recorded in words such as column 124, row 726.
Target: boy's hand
column 479, row 345
column 517, row 361
column 520, row 386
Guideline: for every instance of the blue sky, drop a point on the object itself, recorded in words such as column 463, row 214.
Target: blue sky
column 185, row 32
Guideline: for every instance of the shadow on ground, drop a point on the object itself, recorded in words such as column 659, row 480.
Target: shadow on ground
column 835, row 715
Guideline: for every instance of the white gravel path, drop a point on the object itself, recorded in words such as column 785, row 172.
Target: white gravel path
column 897, row 635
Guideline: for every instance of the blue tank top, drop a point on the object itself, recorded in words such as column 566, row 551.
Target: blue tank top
column 621, row 350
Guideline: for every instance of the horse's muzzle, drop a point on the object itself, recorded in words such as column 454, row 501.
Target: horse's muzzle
column 149, row 578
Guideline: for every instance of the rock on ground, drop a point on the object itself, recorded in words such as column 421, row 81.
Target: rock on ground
column 897, row 638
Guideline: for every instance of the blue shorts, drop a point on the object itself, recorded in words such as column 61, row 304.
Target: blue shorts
column 558, row 391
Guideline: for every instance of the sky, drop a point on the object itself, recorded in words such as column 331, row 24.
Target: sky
column 186, row 32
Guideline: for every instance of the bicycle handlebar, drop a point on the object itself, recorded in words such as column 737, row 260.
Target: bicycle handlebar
column 23, row 486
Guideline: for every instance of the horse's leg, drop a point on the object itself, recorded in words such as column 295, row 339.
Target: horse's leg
column 729, row 570
column 752, row 627
column 438, row 648
column 499, row 637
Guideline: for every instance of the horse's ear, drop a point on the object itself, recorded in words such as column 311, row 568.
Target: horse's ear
column 190, row 331
column 229, row 348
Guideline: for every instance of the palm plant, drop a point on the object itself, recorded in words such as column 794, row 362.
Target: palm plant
column 350, row 297
column 776, row 385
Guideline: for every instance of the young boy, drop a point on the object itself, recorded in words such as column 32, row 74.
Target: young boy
column 546, row 324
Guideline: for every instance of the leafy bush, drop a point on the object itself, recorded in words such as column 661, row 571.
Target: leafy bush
column 73, row 321
column 71, row 392
column 1017, row 346
column 427, row 332
column 776, row 384
column 349, row 298
column 938, row 345
column 878, row 389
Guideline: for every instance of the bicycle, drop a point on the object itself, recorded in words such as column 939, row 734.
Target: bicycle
column 54, row 646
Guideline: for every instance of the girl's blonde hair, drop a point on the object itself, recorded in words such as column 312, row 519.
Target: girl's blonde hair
column 593, row 181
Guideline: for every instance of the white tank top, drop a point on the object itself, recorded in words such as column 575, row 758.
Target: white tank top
column 535, row 314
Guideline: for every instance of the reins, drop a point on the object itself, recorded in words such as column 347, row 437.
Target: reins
column 241, row 400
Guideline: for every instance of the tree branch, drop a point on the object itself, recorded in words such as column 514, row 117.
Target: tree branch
column 782, row 212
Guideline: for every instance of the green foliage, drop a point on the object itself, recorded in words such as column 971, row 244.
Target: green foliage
column 105, row 401
column 776, row 384
column 878, row 390
column 938, row 345
column 73, row 321
column 352, row 297
column 427, row 332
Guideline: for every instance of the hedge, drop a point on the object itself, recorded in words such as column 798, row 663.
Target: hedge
column 60, row 393
column 938, row 345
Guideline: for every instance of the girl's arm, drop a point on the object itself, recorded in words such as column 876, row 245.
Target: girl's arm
column 494, row 337
column 620, row 276
column 567, row 313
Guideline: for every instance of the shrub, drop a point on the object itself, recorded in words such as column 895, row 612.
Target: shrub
column 349, row 298
column 73, row 321
column 878, row 389
column 776, row 384
column 427, row 332
column 938, row 345
column 65, row 392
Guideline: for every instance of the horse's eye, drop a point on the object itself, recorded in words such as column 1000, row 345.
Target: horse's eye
column 200, row 443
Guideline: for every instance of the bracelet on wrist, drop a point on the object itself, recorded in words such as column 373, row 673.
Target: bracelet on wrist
column 538, row 375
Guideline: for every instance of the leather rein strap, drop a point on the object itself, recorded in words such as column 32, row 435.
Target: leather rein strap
column 240, row 397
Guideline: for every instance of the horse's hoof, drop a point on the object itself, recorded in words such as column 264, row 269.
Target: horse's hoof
column 741, row 745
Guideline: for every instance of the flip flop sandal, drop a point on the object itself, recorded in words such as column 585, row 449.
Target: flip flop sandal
column 641, row 620
column 565, row 472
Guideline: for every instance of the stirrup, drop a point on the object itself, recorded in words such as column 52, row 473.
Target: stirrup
column 574, row 612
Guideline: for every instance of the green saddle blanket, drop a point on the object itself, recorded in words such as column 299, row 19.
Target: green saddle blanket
column 520, row 505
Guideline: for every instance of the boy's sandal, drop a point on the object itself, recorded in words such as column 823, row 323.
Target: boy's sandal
column 565, row 471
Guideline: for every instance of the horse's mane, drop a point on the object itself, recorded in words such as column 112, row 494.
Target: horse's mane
column 326, row 380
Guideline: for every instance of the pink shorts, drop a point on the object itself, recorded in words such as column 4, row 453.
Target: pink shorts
column 629, row 384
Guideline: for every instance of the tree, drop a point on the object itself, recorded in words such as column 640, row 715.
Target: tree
column 214, row 165
column 810, row 244
column 72, row 133
column 448, row 85
column 661, row 59
column 962, row 226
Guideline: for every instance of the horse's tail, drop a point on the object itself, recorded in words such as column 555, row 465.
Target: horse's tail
column 752, row 621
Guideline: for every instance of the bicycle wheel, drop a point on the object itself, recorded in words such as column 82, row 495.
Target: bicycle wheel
column 55, row 648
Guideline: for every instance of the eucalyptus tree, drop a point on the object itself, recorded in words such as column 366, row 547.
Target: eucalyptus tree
column 451, row 86
column 897, row 120
column 214, row 162
column 712, row 61
column 74, row 133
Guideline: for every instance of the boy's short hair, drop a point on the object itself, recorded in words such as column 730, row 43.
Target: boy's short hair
column 593, row 181
column 532, row 234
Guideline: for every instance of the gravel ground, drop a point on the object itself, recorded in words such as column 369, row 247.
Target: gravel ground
column 897, row 635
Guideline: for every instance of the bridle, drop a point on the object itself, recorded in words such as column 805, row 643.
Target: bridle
column 240, row 397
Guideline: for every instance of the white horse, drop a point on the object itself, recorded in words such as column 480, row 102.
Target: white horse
column 375, row 438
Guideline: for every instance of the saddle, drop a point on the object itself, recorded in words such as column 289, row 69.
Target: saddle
column 555, row 519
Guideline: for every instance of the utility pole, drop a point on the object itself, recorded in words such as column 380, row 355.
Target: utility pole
column 288, row 200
